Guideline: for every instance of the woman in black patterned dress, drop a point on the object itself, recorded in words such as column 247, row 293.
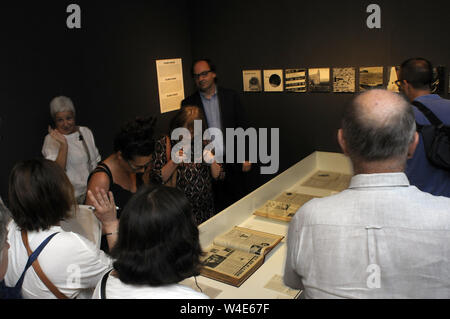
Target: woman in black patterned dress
column 194, row 178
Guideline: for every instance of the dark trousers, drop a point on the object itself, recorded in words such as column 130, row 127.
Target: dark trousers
column 232, row 188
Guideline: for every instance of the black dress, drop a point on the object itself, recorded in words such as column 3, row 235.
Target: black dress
column 121, row 195
column 194, row 179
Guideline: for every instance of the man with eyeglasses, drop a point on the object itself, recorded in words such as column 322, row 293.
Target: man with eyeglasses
column 222, row 109
column 415, row 82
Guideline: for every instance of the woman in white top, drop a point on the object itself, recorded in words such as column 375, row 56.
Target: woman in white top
column 157, row 247
column 72, row 147
column 40, row 196
column 4, row 246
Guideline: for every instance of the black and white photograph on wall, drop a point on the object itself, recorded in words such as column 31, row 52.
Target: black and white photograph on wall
column 438, row 86
column 392, row 76
column 295, row 80
column 252, row 80
column 273, row 80
column 319, row 80
column 370, row 78
column 344, row 80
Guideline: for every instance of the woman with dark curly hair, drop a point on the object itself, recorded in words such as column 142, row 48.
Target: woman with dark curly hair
column 121, row 173
column 157, row 247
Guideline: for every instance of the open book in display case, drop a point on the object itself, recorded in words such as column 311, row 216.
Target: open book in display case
column 318, row 175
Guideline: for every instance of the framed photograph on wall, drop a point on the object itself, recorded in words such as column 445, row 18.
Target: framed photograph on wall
column 370, row 78
column 392, row 76
column 319, row 80
column 344, row 80
column 273, row 80
column 438, row 85
column 252, row 80
column 295, row 80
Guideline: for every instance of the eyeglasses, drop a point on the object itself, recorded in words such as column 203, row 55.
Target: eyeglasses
column 204, row 73
column 137, row 168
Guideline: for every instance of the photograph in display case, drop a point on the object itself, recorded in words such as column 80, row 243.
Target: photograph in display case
column 237, row 254
column 284, row 206
column 273, row 80
column 319, row 80
column 252, row 80
column 276, row 284
column 329, row 180
column 370, row 78
column 344, row 80
column 295, row 80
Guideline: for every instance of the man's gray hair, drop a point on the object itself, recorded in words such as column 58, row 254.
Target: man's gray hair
column 378, row 125
column 61, row 104
column 4, row 220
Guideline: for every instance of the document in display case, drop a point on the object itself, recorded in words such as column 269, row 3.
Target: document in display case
column 264, row 280
column 237, row 254
column 329, row 180
column 284, row 206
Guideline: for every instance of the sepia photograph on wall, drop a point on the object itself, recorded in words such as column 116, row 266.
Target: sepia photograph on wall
column 370, row 78
column 392, row 76
column 319, row 80
column 252, row 80
column 273, row 80
column 344, row 80
column 295, row 80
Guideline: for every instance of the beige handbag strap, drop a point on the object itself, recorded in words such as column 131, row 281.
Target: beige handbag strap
column 86, row 149
column 39, row 272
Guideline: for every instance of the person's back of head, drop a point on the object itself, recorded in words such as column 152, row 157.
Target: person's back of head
column 186, row 118
column 158, row 242
column 418, row 72
column 40, row 194
column 378, row 125
column 135, row 138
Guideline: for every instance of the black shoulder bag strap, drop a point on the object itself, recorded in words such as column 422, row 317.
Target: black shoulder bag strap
column 428, row 114
column 103, row 285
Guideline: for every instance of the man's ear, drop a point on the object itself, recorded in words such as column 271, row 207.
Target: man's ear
column 413, row 145
column 342, row 143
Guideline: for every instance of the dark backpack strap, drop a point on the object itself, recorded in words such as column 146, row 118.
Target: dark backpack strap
column 32, row 258
column 103, row 285
column 428, row 114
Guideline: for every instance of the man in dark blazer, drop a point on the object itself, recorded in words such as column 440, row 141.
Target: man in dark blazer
column 222, row 109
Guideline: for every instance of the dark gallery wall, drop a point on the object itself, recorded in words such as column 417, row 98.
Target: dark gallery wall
column 108, row 66
column 248, row 35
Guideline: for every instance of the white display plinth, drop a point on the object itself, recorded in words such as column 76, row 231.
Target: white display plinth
column 241, row 214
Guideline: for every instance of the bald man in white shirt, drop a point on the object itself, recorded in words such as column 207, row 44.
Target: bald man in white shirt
column 381, row 237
